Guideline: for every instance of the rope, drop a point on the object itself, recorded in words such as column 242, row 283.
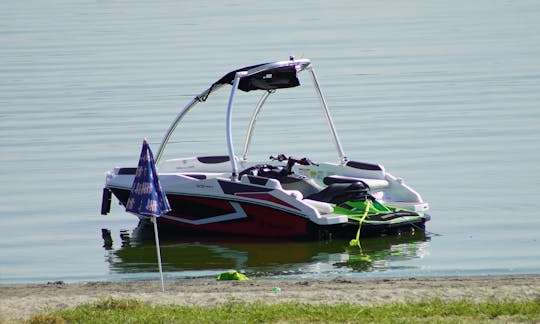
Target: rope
column 420, row 228
column 356, row 242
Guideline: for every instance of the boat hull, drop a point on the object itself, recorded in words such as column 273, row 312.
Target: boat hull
column 205, row 215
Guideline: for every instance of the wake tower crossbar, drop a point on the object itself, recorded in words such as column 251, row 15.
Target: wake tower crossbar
column 268, row 77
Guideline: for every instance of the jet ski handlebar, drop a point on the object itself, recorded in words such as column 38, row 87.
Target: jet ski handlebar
column 282, row 157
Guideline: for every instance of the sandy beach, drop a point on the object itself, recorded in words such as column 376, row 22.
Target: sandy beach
column 21, row 301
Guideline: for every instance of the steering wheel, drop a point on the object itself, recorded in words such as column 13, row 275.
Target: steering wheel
column 256, row 169
column 291, row 161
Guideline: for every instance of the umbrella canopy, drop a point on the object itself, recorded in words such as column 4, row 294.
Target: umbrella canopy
column 147, row 197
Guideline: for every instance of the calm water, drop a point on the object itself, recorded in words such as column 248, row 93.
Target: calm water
column 443, row 94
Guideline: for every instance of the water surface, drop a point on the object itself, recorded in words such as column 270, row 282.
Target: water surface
column 444, row 95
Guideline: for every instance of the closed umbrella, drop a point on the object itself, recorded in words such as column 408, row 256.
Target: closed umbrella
column 147, row 198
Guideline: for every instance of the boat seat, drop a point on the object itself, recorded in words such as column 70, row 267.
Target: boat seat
column 270, row 183
column 306, row 186
column 214, row 159
column 288, row 181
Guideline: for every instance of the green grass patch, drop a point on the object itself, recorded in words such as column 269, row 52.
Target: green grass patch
column 435, row 311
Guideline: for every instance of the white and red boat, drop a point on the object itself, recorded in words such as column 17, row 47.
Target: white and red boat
column 282, row 196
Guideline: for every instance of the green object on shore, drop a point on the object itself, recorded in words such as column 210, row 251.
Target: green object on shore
column 232, row 275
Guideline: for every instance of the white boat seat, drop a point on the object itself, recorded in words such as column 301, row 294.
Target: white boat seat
column 305, row 185
column 270, row 183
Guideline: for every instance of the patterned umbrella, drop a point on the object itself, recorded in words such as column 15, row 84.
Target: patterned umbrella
column 147, row 197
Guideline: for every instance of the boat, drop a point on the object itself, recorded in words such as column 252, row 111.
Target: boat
column 280, row 196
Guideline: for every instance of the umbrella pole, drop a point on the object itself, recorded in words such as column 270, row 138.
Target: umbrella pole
column 154, row 220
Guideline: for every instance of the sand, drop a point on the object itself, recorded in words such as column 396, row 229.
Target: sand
column 21, row 301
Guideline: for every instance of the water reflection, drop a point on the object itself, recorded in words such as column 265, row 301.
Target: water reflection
column 195, row 256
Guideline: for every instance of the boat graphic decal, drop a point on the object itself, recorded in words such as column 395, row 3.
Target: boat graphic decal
column 237, row 214
column 232, row 188
column 266, row 197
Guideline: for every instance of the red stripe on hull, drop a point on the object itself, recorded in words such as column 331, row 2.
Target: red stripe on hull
column 266, row 197
column 194, row 208
column 260, row 221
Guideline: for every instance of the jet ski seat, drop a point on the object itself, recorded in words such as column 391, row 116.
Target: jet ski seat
column 338, row 193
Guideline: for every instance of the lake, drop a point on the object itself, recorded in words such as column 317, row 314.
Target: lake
column 443, row 94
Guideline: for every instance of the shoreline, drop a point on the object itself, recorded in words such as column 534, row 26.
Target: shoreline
column 21, row 301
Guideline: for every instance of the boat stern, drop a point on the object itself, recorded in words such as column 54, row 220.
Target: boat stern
column 118, row 179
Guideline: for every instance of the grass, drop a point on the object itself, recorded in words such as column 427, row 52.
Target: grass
column 435, row 311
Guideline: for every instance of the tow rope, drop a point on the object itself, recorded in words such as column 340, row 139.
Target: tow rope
column 356, row 242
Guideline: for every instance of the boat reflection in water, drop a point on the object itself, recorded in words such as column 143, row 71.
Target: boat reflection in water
column 204, row 256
